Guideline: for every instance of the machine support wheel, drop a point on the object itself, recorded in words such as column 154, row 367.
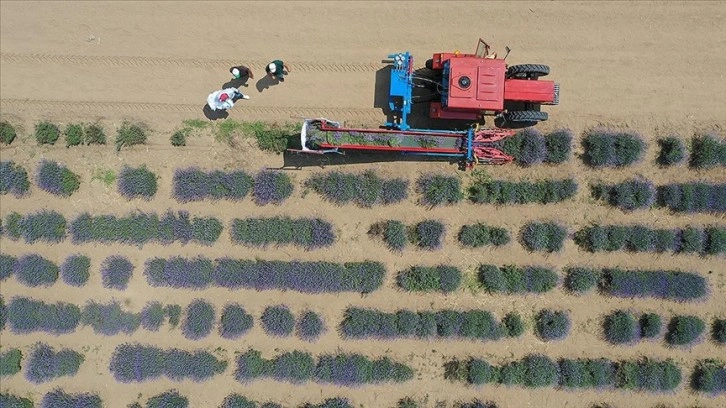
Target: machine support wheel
column 525, row 116
column 530, row 71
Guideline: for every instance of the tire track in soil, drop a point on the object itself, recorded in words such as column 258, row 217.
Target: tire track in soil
column 142, row 107
column 125, row 61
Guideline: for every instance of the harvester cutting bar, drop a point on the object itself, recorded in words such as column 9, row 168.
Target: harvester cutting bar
column 491, row 135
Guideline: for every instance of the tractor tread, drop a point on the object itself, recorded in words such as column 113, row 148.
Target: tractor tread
column 526, row 116
column 526, row 69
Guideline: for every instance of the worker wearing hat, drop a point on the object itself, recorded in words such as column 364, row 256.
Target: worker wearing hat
column 240, row 71
column 277, row 69
column 225, row 98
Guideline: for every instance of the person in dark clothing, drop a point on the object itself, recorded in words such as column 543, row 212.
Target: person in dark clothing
column 241, row 71
column 277, row 69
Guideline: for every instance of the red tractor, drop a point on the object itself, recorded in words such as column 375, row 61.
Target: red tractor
column 471, row 86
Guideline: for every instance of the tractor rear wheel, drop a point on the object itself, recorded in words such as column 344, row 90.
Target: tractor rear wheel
column 533, row 71
column 526, row 116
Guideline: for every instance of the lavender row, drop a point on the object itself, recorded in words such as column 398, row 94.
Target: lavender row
column 340, row 369
column 138, row 363
column 473, row 324
column 640, row 193
column 628, row 327
column 305, row 277
column 266, row 187
column 308, row 233
column 537, row 371
column 637, row 238
column 36, row 271
column 427, row 234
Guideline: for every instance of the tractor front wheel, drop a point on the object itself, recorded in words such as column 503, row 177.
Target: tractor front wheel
column 532, row 71
column 525, row 116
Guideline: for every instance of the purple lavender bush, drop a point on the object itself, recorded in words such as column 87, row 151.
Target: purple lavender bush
column 278, row 321
column 668, row 285
column 14, row 401
column 152, row 316
column 365, row 190
column 251, row 365
column 197, row 365
column 7, row 266
column 45, row 364
column 336, row 402
column 587, row 373
column 109, row 319
column 137, row 183
column 235, row 321
column 33, row 270
column 238, row 401
column 138, row 363
column 45, row 226
column 552, row 324
column 533, row 149
column 559, row 146
column 199, row 320
column 684, row 330
column 271, row 187
column 438, row 189
column 528, row 147
column 75, row 270
column 471, row 324
column 305, row 277
column 295, row 366
column 428, row 234
column 441, row 278
column 634, row 194
column 142, row 228
column 612, row 148
column 310, row 326
column 709, row 377
column 355, row 369
column 13, row 179
column 193, row 184
column 116, row 272
column 693, row 197
column 179, row 273
column 60, row 399
column 168, row 399
column 511, row 279
column 10, row 362
column 309, row 233
column 543, row 236
column 26, row 315
column 57, row 179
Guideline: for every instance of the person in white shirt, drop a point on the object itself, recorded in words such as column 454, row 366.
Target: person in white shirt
column 224, row 99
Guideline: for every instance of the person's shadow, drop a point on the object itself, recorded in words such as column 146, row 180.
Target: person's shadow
column 237, row 83
column 214, row 115
column 266, row 82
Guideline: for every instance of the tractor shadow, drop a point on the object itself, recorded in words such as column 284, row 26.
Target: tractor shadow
column 299, row 161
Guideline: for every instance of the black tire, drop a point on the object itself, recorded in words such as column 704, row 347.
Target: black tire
column 526, row 116
column 430, row 63
column 528, row 71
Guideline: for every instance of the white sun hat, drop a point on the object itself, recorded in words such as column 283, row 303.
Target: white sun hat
column 272, row 67
column 235, row 72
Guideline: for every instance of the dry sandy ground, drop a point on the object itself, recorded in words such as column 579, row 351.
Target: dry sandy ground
column 656, row 67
